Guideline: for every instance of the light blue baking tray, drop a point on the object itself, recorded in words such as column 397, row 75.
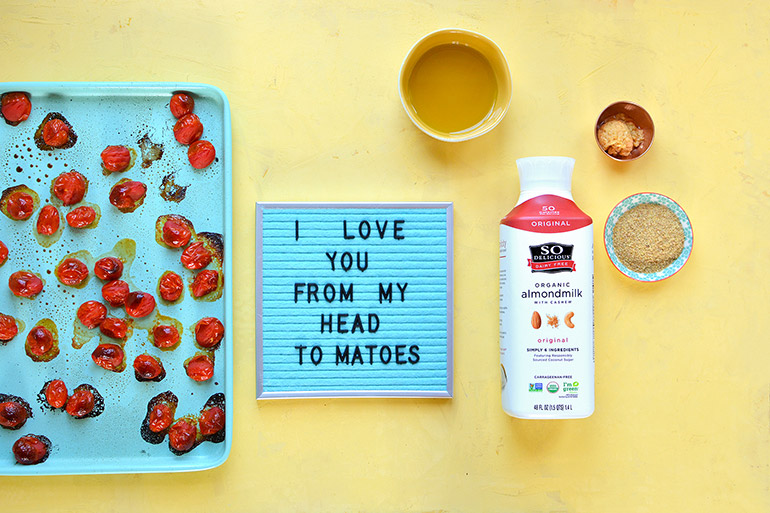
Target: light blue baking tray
column 105, row 114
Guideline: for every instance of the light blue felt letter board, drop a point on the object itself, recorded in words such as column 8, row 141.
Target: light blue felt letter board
column 354, row 300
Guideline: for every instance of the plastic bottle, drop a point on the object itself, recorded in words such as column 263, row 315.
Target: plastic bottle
column 546, row 297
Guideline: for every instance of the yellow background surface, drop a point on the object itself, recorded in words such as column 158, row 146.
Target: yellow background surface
column 682, row 420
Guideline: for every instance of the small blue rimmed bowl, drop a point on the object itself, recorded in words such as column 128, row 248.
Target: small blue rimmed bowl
column 640, row 199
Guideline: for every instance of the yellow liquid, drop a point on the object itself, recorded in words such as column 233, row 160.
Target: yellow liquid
column 452, row 88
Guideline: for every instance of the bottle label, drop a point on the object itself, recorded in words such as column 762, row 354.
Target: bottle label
column 546, row 312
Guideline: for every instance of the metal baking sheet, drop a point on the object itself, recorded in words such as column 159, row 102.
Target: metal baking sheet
column 104, row 114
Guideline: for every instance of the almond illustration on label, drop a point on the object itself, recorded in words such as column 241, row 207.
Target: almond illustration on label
column 536, row 321
column 568, row 320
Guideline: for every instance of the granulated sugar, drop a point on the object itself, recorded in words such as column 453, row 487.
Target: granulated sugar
column 648, row 238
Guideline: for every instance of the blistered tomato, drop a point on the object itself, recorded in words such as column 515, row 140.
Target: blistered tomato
column 56, row 133
column 20, row 205
column 140, row 304
column 15, row 107
column 181, row 435
column 70, row 187
column 108, row 356
column 81, row 217
column 72, row 271
column 12, row 415
column 56, row 393
column 114, row 328
column 175, row 233
column 200, row 368
column 25, row 284
column 108, row 268
column 116, row 158
column 181, row 104
column 161, row 417
column 188, row 129
column 81, row 403
column 170, row 286
column 204, row 283
column 127, row 196
column 39, row 340
column 212, row 420
column 165, row 336
column 115, row 292
column 201, row 154
column 92, row 314
column 48, row 220
column 147, row 367
column 29, row 450
column 196, row 256
column 209, row 332
column 8, row 328
column 3, row 253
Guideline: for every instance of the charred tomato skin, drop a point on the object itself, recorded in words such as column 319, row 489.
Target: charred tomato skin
column 201, row 154
column 108, row 268
column 188, row 129
column 48, row 220
column 12, row 415
column 25, row 284
column 209, row 332
column 181, row 435
column 70, row 188
column 116, row 158
column 181, row 104
column 15, row 107
column 30, row 450
column 91, row 314
column 165, row 336
column 115, row 292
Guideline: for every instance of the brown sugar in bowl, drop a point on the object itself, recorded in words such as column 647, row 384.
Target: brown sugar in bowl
column 640, row 117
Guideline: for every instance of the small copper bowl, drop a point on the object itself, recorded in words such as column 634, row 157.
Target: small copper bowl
column 641, row 119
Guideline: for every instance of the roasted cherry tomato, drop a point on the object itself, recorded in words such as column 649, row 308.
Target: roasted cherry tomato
column 114, row 328
column 12, row 415
column 204, row 283
column 116, row 158
column 56, row 393
column 200, row 368
column 140, row 304
column 161, row 417
column 81, row 217
column 181, row 104
column 181, row 435
column 201, row 154
column 29, row 450
column 25, row 284
column 108, row 268
column 81, row 403
column 70, row 187
column 39, row 340
column 20, row 205
column 108, row 356
column 170, row 286
column 147, row 367
column 211, row 421
column 175, row 233
column 48, row 220
column 8, row 328
column 92, row 314
column 209, row 332
column 188, row 129
column 196, row 256
column 72, row 271
column 15, row 107
column 56, row 133
column 115, row 292
column 3, row 253
column 165, row 336
column 127, row 196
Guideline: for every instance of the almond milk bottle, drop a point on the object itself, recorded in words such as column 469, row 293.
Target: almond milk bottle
column 546, row 297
